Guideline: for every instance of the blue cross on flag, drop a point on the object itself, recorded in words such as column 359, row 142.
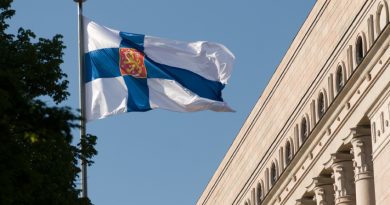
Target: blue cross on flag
column 126, row 72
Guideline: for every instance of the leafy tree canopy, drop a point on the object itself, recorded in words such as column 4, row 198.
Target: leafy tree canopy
column 38, row 163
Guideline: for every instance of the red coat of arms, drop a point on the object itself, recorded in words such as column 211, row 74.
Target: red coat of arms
column 131, row 62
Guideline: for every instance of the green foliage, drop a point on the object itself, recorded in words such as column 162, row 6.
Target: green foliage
column 38, row 163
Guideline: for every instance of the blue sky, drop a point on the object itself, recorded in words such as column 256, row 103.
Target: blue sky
column 162, row 157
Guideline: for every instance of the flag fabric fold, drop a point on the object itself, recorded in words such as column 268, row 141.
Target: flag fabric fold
column 126, row 72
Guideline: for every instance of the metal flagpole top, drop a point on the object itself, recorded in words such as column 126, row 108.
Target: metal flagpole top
column 79, row 1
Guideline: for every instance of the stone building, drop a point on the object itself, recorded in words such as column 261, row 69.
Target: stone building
column 319, row 133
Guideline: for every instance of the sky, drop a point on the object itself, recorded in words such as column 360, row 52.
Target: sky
column 162, row 157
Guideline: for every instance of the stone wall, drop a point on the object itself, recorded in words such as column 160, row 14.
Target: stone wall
column 336, row 60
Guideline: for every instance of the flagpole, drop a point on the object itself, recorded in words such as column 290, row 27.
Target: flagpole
column 84, row 184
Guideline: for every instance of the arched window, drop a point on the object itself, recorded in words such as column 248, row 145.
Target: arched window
column 274, row 175
column 259, row 194
column 382, row 17
column 246, row 203
column 304, row 129
column 339, row 78
column 321, row 105
column 359, row 50
column 288, row 153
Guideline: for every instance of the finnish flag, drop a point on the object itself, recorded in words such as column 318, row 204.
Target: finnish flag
column 126, row 72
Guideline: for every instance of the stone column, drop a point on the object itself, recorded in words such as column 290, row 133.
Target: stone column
column 362, row 162
column 323, row 190
column 344, row 186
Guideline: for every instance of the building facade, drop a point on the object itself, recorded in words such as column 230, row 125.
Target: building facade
column 319, row 133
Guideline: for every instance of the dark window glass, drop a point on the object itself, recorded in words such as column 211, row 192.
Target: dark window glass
column 321, row 105
column 289, row 153
column 339, row 78
column 359, row 50
column 259, row 194
column 304, row 129
column 274, row 176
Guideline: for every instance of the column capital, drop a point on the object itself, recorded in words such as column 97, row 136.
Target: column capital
column 362, row 151
column 319, row 181
column 323, row 190
column 344, row 189
column 362, row 163
column 358, row 131
column 337, row 157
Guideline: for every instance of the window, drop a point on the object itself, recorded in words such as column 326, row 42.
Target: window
column 259, row 194
column 321, row 105
column 274, row 176
column 339, row 78
column 382, row 17
column 304, row 129
column 288, row 153
column 359, row 50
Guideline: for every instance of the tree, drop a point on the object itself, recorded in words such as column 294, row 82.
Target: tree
column 38, row 163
